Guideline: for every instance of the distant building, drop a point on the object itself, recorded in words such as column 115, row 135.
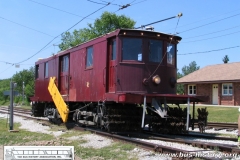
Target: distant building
column 220, row 82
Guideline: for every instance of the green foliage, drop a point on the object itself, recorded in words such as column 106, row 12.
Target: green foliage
column 4, row 86
column 106, row 23
column 185, row 71
column 21, row 137
column 225, row 59
column 26, row 76
column 180, row 87
column 190, row 68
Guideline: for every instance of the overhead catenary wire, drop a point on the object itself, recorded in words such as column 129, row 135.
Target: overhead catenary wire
column 205, row 19
column 96, row 2
column 56, row 9
column 209, row 50
column 211, row 37
column 61, row 34
column 25, row 26
column 127, row 5
column 212, row 32
column 208, row 23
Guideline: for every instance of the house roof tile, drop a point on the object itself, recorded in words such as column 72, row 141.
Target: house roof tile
column 214, row 73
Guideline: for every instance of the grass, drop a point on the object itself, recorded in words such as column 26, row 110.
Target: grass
column 116, row 151
column 218, row 114
column 21, row 137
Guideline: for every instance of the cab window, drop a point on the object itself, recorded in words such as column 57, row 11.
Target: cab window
column 171, row 53
column 132, row 49
column 155, row 51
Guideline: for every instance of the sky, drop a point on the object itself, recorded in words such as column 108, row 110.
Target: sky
column 31, row 29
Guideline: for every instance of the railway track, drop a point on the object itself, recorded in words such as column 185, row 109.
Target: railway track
column 131, row 138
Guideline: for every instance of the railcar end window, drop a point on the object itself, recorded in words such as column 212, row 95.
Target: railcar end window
column 132, row 49
column 46, row 70
column 155, row 51
column 36, row 71
column 89, row 59
column 227, row 89
column 192, row 90
column 171, row 53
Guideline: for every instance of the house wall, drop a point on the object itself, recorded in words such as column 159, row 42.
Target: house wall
column 206, row 90
column 237, row 93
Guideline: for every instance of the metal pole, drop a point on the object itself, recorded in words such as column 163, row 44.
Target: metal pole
column 11, row 106
column 188, row 106
column 144, row 110
column 193, row 118
column 179, row 15
column 23, row 94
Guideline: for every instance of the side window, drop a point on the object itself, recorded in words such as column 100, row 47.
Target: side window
column 65, row 63
column 114, row 50
column 192, row 90
column 89, row 59
column 171, row 53
column 46, row 70
column 155, row 51
column 132, row 49
column 36, row 71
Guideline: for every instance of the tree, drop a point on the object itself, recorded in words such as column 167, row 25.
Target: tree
column 185, row 71
column 225, row 59
column 26, row 76
column 106, row 23
column 190, row 68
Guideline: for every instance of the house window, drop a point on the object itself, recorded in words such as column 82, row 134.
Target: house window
column 227, row 89
column 46, row 70
column 192, row 89
column 89, row 62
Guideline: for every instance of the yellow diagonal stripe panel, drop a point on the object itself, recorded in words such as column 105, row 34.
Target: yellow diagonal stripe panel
column 58, row 100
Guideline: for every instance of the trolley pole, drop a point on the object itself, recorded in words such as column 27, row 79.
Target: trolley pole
column 11, row 105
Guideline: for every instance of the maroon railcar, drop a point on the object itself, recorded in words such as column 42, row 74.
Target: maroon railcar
column 109, row 81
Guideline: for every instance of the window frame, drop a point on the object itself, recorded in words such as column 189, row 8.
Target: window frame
column 149, row 48
column 132, row 60
column 88, row 53
column 175, row 55
column 65, row 63
column 37, row 71
column 192, row 85
column 228, row 89
column 46, row 70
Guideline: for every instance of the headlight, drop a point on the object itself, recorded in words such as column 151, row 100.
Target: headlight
column 156, row 79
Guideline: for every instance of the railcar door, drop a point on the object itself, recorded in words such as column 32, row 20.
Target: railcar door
column 64, row 74
column 111, row 75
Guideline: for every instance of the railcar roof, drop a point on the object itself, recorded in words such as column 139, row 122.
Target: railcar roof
column 110, row 34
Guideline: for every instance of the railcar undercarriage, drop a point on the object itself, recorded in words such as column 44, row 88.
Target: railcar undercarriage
column 117, row 117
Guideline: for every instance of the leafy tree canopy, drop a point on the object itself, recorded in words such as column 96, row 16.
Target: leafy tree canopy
column 185, row 71
column 26, row 76
column 106, row 23
column 225, row 59
column 190, row 68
